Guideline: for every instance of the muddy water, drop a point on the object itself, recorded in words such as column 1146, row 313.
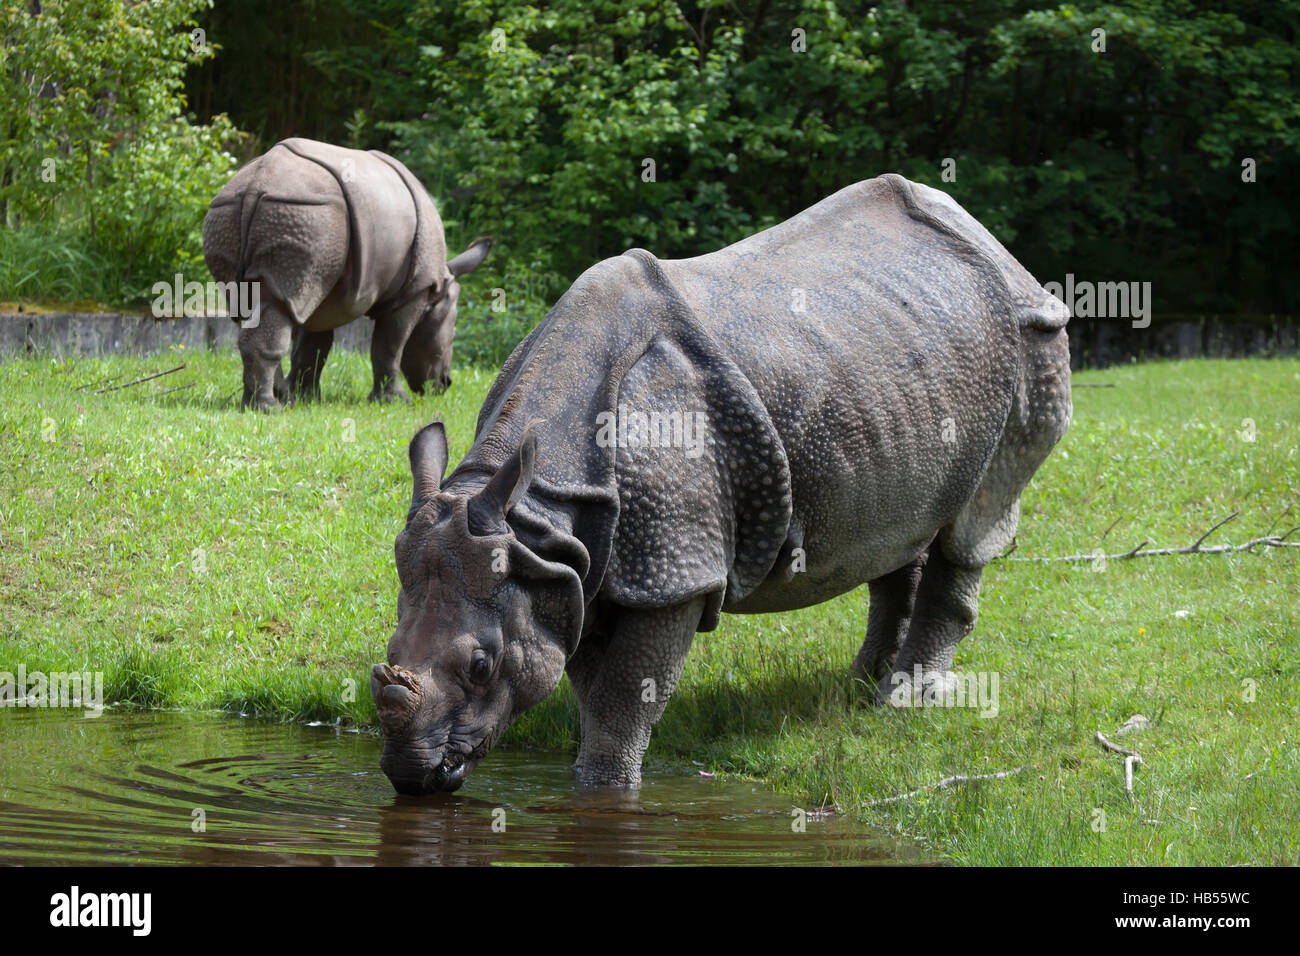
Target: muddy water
column 159, row 788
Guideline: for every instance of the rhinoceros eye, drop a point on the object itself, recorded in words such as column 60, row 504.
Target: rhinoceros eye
column 479, row 667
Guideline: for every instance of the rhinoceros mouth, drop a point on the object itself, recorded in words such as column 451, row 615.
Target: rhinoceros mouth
column 449, row 775
column 416, row 768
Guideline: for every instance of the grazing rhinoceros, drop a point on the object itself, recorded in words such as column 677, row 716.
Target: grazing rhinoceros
column 333, row 234
column 859, row 394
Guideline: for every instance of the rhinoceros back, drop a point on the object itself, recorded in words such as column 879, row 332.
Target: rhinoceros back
column 313, row 222
column 281, row 222
column 1033, row 306
column 856, row 368
column 881, row 332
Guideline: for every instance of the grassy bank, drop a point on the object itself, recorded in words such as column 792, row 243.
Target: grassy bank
column 204, row 558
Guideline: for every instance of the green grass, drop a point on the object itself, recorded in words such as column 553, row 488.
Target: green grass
column 62, row 266
column 205, row 558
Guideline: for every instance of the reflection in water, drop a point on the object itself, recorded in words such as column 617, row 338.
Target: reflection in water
column 133, row 787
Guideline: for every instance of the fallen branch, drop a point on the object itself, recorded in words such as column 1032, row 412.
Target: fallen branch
column 1268, row 541
column 1115, row 748
column 946, row 782
column 139, row 380
column 179, row 388
column 102, row 381
column 1196, row 545
column 1131, row 757
column 1092, row 385
column 1128, row 774
column 1278, row 519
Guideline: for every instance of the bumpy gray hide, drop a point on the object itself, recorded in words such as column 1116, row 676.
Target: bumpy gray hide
column 878, row 380
column 332, row 235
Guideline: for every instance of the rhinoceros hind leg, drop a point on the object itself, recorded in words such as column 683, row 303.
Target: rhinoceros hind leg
column 262, row 347
column 889, row 615
column 623, row 683
column 310, row 350
column 392, row 329
column 947, row 605
column 948, row 596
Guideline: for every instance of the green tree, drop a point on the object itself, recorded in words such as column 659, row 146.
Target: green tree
column 93, row 136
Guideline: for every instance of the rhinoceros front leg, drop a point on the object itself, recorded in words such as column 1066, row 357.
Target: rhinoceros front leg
column 623, row 681
column 263, row 346
column 310, row 350
column 392, row 329
column 947, row 604
column 889, row 615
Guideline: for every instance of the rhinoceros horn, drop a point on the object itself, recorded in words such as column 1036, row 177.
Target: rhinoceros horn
column 396, row 691
column 428, row 453
column 488, row 509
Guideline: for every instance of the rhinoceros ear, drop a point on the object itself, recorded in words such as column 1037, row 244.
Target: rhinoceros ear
column 471, row 258
column 488, row 509
column 428, row 462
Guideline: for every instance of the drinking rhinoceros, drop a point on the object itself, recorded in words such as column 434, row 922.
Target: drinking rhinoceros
column 333, row 234
column 859, row 394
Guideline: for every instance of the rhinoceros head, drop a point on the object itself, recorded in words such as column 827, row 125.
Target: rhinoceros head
column 484, row 628
column 427, row 355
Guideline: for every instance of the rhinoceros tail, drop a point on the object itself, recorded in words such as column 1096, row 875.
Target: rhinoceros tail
column 1048, row 315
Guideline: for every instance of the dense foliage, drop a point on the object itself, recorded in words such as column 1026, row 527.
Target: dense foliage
column 95, row 151
column 1149, row 140
column 1115, row 158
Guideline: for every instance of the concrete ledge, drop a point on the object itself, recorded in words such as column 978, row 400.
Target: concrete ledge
column 131, row 333
column 1097, row 343
column 1094, row 343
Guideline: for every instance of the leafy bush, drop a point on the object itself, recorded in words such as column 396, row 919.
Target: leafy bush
column 92, row 133
column 534, row 122
column 37, row 264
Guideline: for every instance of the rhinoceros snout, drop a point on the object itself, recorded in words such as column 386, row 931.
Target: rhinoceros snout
column 448, row 778
column 421, row 777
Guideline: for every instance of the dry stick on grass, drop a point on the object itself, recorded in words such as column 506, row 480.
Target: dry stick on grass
column 1112, row 526
column 1092, row 385
column 946, row 782
column 1269, row 541
column 139, row 380
column 1115, row 748
column 1130, row 758
column 178, row 388
column 102, row 381
column 1278, row 520
column 1128, row 774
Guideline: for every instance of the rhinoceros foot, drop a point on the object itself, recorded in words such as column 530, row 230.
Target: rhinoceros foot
column 390, row 393
column 608, row 771
column 903, row 689
column 275, row 399
column 269, row 406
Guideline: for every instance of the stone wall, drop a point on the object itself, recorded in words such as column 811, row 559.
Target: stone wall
column 1097, row 343
column 97, row 333
column 1094, row 343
